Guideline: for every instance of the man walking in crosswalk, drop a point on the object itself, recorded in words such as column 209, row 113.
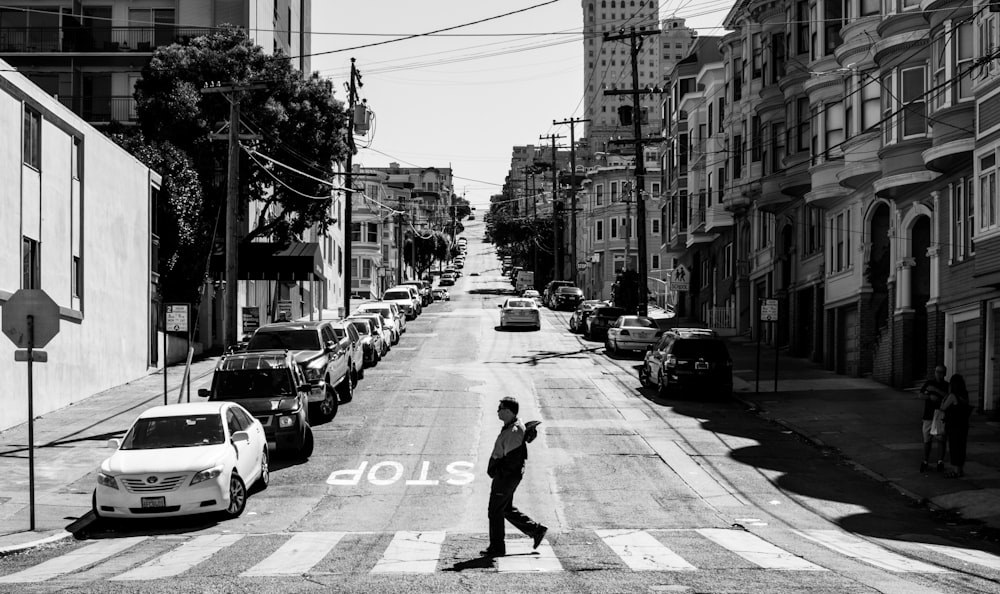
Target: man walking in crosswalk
column 506, row 467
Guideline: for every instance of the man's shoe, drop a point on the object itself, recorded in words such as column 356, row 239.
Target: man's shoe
column 492, row 553
column 537, row 538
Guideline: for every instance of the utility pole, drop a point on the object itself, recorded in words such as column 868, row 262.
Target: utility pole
column 635, row 43
column 573, row 189
column 352, row 98
column 556, row 252
column 399, row 241
column 233, row 93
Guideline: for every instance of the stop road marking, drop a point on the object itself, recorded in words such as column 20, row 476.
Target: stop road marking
column 388, row 472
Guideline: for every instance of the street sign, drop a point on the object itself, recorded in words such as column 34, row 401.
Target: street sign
column 680, row 280
column 251, row 319
column 177, row 317
column 36, row 355
column 284, row 311
column 581, row 266
column 769, row 310
column 44, row 315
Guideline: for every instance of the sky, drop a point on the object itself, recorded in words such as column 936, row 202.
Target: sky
column 463, row 98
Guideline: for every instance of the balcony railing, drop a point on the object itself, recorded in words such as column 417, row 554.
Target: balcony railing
column 101, row 110
column 86, row 39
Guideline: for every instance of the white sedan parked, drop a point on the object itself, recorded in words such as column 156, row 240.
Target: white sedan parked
column 632, row 333
column 183, row 459
column 518, row 311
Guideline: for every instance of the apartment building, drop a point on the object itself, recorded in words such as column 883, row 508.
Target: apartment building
column 86, row 238
column 858, row 147
column 377, row 220
column 90, row 54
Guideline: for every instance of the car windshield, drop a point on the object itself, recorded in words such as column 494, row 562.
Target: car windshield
column 569, row 291
column 695, row 347
column 521, row 303
column 396, row 295
column 252, row 383
column 175, row 432
column 609, row 312
column 639, row 322
column 295, row 340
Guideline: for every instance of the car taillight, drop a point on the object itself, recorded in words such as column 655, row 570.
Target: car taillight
column 670, row 361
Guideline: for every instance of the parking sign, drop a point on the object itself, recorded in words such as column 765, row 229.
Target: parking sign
column 177, row 317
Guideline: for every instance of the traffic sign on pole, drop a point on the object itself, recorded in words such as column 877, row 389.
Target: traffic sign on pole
column 43, row 311
column 680, row 280
column 769, row 310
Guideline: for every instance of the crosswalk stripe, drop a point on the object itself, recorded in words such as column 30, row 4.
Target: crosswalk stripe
column 967, row 555
column 856, row 548
column 757, row 550
column 641, row 552
column 72, row 561
column 298, row 555
column 181, row 559
column 521, row 558
column 411, row 552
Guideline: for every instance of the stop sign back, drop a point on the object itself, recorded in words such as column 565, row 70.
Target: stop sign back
column 30, row 302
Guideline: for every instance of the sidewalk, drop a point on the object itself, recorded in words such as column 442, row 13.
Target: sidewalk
column 70, row 443
column 874, row 426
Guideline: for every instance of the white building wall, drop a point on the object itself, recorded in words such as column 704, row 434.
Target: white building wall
column 104, row 338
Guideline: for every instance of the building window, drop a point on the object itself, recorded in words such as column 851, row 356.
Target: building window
column 76, row 278
column 655, row 261
column 599, row 230
column 30, row 263
column 765, row 222
column 706, row 272
column 813, row 229
column 76, row 158
column 613, row 227
column 32, row 138
column 655, row 226
column 727, row 260
column 366, row 269
column 614, row 191
column 840, row 242
column 372, row 236
column 599, row 194
column 355, row 232
column 963, row 220
column 654, row 190
column 988, row 191
column 904, row 105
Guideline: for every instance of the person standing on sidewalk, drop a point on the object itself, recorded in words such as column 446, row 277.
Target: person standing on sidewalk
column 506, row 468
column 957, row 409
column 934, row 392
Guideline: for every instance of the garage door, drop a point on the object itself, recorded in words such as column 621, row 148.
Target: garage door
column 968, row 357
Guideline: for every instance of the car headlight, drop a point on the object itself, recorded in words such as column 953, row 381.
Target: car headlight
column 285, row 422
column 206, row 475
column 107, row 480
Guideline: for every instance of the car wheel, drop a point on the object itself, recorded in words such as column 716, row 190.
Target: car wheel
column 237, row 496
column 358, row 374
column 265, row 470
column 307, row 444
column 345, row 392
column 644, row 376
column 661, row 390
column 376, row 357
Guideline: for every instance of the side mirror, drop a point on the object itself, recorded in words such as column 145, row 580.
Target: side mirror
column 330, row 345
column 114, row 443
column 241, row 436
column 500, row 305
column 203, row 392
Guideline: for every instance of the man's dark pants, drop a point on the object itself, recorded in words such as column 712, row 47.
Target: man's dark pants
column 502, row 508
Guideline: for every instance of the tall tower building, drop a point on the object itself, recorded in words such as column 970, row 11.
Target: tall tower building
column 608, row 65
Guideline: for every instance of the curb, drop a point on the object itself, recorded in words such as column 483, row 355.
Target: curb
column 11, row 549
column 762, row 412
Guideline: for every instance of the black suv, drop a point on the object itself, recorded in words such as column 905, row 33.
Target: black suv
column 600, row 320
column 325, row 363
column 567, row 298
column 270, row 385
column 550, row 291
column 686, row 359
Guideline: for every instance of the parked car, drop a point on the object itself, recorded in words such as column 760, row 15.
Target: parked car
column 632, row 333
column 270, row 385
column 350, row 341
column 518, row 311
column 689, row 359
column 447, row 279
column 550, row 290
column 391, row 315
column 316, row 349
column 403, row 299
column 179, row 459
column 567, row 297
column 578, row 321
column 598, row 322
column 383, row 331
column 370, row 340
column 441, row 294
column 418, row 302
column 422, row 289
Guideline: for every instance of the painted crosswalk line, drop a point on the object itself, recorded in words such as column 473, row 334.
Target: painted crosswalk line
column 856, row 548
column 641, row 552
column 521, row 558
column 72, row 561
column 757, row 550
column 298, row 555
column 411, row 552
column 181, row 559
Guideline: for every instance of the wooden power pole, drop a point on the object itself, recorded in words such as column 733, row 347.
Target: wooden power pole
column 573, row 190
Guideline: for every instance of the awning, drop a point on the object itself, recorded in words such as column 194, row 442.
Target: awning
column 271, row 261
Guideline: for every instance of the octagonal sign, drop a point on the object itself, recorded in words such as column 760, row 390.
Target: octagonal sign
column 30, row 302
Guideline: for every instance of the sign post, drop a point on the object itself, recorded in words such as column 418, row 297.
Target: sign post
column 30, row 320
column 175, row 320
column 680, row 279
column 768, row 313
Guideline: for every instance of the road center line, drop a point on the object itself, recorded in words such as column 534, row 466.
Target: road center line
column 700, row 481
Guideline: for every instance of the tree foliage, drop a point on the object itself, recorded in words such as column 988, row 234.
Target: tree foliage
column 297, row 120
column 430, row 247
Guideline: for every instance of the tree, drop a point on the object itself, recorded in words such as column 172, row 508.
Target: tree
column 430, row 247
column 298, row 121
